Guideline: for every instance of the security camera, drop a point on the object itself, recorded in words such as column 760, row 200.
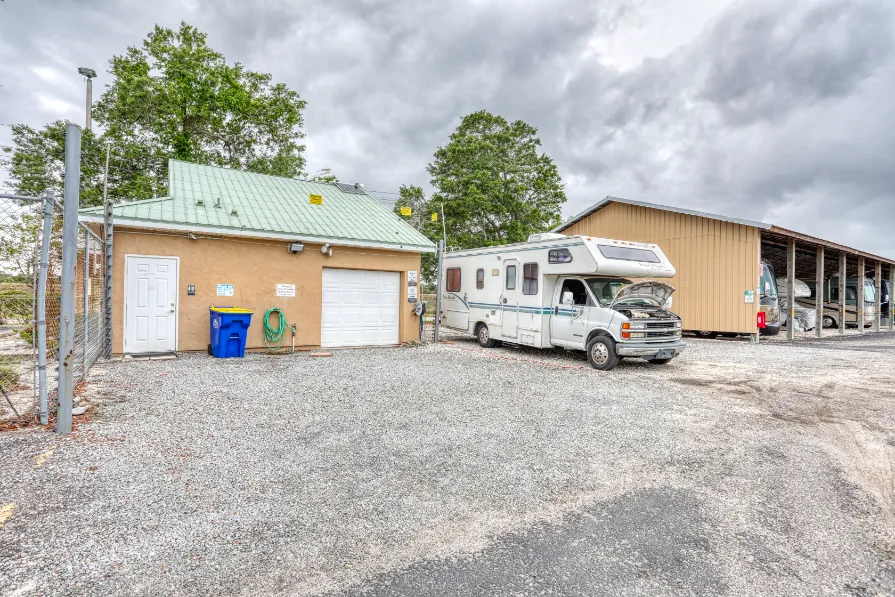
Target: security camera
column 296, row 248
column 327, row 250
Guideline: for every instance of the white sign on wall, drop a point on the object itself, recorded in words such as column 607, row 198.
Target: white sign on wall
column 749, row 297
column 411, row 278
column 285, row 289
column 411, row 294
column 225, row 289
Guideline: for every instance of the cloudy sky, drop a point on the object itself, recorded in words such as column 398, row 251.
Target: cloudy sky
column 779, row 111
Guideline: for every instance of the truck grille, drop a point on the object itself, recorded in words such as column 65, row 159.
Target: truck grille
column 658, row 331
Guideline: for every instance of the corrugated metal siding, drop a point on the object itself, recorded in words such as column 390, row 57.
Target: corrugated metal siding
column 715, row 261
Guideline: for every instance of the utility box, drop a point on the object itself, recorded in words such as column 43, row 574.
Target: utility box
column 228, row 327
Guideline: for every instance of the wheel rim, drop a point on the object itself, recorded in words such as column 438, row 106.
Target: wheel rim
column 599, row 353
column 828, row 322
column 483, row 334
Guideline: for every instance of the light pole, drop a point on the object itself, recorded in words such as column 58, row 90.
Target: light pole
column 90, row 74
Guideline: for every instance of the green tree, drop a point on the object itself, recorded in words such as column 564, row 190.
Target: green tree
column 494, row 184
column 173, row 97
column 178, row 98
column 37, row 163
column 420, row 218
column 324, row 175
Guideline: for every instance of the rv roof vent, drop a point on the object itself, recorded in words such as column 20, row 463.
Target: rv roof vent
column 533, row 238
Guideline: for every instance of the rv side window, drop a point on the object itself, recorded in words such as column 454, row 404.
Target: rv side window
column 628, row 253
column 559, row 256
column 530, row 278
column 511, row 277
column 479, row 278
column 453, row 279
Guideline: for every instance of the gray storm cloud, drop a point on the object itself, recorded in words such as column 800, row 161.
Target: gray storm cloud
column 774, row 110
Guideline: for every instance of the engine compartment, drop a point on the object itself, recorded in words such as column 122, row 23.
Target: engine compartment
column 646, row 313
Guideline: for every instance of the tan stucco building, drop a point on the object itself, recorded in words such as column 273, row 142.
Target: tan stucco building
column 340, row 266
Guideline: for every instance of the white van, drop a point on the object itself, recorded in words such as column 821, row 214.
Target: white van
column 569, row 291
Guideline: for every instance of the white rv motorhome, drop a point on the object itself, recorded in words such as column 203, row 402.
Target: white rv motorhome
column 568, row 291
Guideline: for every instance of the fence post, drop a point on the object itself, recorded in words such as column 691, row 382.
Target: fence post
column 107, row 265
column 69, row 264
column 49, row 201
column 438, row 285
column 86, row 303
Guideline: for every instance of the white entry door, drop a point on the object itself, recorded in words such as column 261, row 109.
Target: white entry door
column 360, row 308
column 509, row 299
column 150, row 304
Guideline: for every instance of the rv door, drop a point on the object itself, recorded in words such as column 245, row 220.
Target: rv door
column 509, row 300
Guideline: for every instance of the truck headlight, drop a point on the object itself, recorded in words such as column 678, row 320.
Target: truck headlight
column 638, row 326
column 677, row 324
column 638, row 335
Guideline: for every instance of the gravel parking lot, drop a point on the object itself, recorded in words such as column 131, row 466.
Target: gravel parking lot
column 736, row 469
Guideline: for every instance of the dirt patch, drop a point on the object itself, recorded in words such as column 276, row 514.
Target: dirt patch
column 846, row 409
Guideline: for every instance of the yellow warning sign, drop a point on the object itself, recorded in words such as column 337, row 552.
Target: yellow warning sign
column 316, row 199
column 434, row 217
column 406, row 211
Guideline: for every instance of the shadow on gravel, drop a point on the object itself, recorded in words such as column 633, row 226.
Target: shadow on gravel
column 648, row 542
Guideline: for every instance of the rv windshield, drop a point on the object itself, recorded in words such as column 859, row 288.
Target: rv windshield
column 869, row 292
column 605, row 289
column 767, row 282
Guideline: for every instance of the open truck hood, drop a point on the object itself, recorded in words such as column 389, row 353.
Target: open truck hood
column 650, row 290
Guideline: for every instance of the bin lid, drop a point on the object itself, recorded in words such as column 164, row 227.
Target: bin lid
column 229, row 310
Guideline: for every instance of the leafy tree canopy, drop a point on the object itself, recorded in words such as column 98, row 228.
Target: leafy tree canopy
column 324, row 175
column 495, row 185
column 173, row 97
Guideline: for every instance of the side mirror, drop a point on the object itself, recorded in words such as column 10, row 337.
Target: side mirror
column 567, row 298
column 767, row 288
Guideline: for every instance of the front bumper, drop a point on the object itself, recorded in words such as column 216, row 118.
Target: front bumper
column 647, row 349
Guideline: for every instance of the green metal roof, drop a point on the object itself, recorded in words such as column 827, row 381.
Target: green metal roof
column 212, row 197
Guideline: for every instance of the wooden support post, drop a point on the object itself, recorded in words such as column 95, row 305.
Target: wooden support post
column 841, row 293
column 877, row 287
column 790, row 288
column 819, row 293
column 891, row 297
column 859, row 298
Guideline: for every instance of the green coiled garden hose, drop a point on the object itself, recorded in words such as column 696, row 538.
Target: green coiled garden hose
column 273, row 337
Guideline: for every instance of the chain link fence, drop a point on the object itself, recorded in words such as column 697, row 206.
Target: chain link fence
column 21, row 223
column 21, row 235
column 89, row 320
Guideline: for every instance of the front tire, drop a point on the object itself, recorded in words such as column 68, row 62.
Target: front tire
column 706, row 334
column 601, row 353
column 483, row 335
column 828, row 322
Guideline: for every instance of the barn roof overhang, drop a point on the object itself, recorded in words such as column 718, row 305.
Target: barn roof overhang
column 770, row 233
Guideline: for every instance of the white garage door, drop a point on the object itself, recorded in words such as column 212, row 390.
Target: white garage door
column 360, row 308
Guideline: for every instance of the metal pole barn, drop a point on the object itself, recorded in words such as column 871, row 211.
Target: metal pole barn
column 49, row 202
column 842, row 264
column 69, row 263
column 819, row 293
column 438, row 286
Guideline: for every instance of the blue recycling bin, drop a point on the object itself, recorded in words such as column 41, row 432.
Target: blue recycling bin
column 228, row 329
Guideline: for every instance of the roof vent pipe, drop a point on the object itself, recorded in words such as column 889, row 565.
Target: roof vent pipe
column 217, row 202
